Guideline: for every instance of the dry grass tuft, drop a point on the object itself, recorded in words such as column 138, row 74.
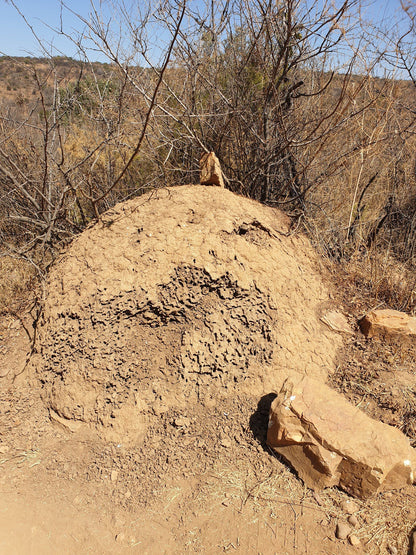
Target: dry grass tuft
column 384, row 520
column 385, row 279
column 17, row 281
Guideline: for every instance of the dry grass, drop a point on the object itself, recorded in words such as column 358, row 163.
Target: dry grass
column 385, row 520
column 17, row 282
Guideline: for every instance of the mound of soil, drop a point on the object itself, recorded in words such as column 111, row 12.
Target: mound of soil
column 184, row 296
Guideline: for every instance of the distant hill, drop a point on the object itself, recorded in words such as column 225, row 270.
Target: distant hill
column 21, row 77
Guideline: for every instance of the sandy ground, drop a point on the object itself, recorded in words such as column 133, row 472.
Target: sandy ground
column 65, row 492
column 71, row 492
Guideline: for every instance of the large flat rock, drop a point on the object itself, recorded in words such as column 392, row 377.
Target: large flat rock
column 388, row 322
column 331, row 442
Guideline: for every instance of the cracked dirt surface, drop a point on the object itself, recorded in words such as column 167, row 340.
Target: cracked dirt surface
column 189, row 295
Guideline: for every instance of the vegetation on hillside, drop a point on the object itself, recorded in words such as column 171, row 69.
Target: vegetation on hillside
column 286, row 93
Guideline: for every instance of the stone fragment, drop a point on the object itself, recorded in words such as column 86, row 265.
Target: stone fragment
column 353, row 520
column 392, row 549
column 330, row 442
column 349, row 507
column 388, row 322
column 114, row 475
column 354, row 540
column 342, row 531
column 211, row 173
column 226, row 442
column 63, row 423
column 181, row 422
column 337, row 322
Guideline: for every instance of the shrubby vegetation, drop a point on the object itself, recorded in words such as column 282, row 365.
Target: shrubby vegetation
column 288, row 94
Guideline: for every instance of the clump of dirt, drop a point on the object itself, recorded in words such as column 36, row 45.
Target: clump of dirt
column 187, row 296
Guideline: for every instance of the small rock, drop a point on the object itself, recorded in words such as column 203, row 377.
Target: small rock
column 392, row 550
column 181, row 422
column 120, row 538
column 354, row 540
column 342, row 531
column 4, row 449
column 114, row 475
column 349, row 507
column 225, row 442
column 337, row 322
column 353, row 520
column 127, row 495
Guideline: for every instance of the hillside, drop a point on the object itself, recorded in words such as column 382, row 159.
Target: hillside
column 22, row 77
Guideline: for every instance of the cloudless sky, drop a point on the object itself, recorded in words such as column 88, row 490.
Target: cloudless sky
column 16, row 38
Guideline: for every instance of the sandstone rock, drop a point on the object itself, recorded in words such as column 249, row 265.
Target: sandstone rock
column 330, row 442
column 353, row 520
column 318, row 498
column 390, row 322
column 354, row 540
column 342, row 531
column 211, row 173
column 337, row 322
column 349, row 507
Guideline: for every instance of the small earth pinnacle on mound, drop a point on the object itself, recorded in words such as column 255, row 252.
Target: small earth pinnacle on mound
column 211, row 173
column 186, row 295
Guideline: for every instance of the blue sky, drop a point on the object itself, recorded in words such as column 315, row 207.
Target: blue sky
column 17, row 40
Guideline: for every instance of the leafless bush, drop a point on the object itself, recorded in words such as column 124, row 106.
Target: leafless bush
column 285, row 93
